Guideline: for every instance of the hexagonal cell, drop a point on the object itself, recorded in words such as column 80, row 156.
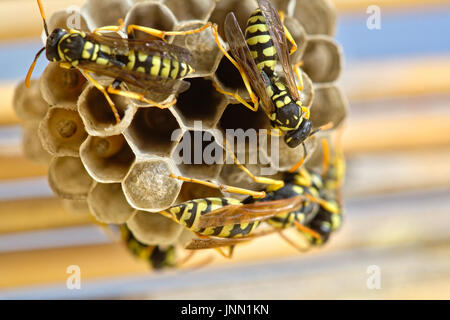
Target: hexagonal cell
column 28, row 103
column 238, row 116
column 150, row 14
column 153, row 131
column 330, row 105
column 148, row 185
column 200, row 103
column 108, row 204
column 229, row 77
column 241, row 9
column 68, row 178
column 107, row 159
column 97, row 115
column 202, row 46
column 67, row 19
column 199, row 155
column 101, row 13
column 190, row 191
column 62, row 131
column 31, row 144
column 322, row 59
column 60, row 85
column 191, row 9
column 154, row 229
column 317, row 17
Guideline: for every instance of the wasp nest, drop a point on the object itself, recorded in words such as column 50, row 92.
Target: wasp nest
column 122, row 169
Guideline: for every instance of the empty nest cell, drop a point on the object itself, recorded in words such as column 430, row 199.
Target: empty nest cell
column 97, row 115
column 198, row 155
column 108, row 204
column 107, row 159
column 60, row 85
column 153, row 131
column 200, row 103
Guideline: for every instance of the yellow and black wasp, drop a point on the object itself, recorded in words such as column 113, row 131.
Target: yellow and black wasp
column 158, row 257
column 149, row 65
column 255, row 56
column 308, row 201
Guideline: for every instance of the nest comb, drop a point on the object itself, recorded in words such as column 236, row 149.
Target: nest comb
column 121, row 171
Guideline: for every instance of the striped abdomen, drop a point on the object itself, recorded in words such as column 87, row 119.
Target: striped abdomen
column 260, row 43
column 189, row 212
column 136, row 61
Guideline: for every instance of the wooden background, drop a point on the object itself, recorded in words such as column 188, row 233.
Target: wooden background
column 397, row 80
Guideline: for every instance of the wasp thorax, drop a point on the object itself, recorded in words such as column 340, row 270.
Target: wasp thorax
column 51, row 49
column 71, row 47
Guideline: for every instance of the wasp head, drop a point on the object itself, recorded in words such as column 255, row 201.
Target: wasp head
column 53, row 40
column 295, row 137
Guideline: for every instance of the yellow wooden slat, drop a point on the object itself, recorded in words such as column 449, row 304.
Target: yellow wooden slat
column 399, row 132
column 27, row 23
column 21, row 19
column 33, row 214
column 360, row 6
column 397, row 78
column 7, row 114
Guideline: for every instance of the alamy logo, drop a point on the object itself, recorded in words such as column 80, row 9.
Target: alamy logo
column 205, row 147
column 74, row 280
column 374, row 280
column 374, row 19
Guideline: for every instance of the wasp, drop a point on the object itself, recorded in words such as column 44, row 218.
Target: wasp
column 153, row 66
column 330, row 218
column 158, row 257
column 255, row 56
column 308, row 201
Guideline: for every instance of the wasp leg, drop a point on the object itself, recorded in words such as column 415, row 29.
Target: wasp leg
column 224, row 188
column 109, row 28
column 223, row 254
column 257, row 179
column 307, row 230
column 299, row 74
column 138, row 96
column 291, row 242
column 105, row 93
column 326, row 157
column 301, row 161
column 323, row 203
column 288, row 34
column 243, row 75
column 162, row 34
column 236, row 96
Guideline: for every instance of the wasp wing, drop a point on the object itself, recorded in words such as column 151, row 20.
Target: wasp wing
column 241, row 52
column 276, row 31
column 246, row 213
column 215, row 242
column 123, row 46
column 142, row 80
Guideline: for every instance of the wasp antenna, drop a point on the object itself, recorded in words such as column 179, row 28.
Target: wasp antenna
column 41, row 9
column 30, row 71
column 327, row 126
